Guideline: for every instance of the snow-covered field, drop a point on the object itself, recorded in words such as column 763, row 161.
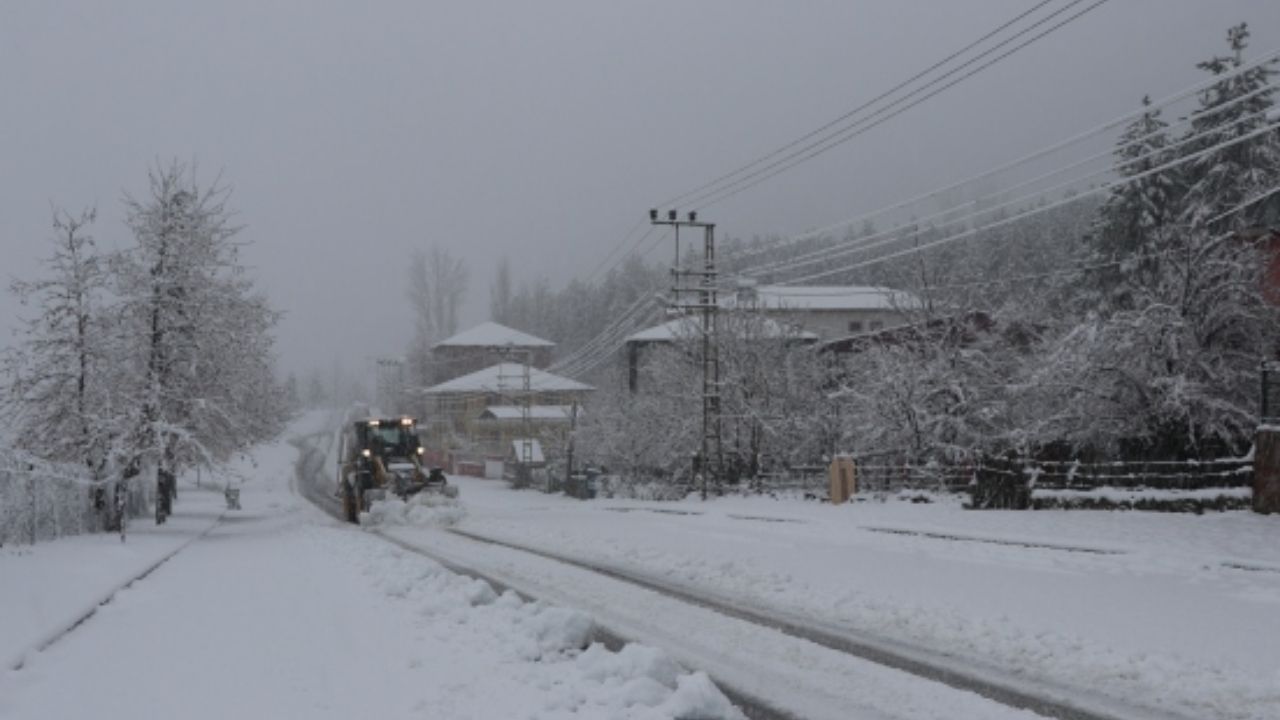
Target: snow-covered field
column 280, row 612
column 1163, row 610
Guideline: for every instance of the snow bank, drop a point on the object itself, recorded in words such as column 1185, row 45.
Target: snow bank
column 423, row 509
column 549, row 648
column 1156, row 499
column 1121, row 495
column 1156, row 609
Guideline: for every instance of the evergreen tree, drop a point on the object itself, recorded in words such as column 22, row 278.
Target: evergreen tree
column 1132, row 222
column 1229, row 177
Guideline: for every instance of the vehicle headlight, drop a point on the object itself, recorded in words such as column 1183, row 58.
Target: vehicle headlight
column 420, row 451
column 365, row 452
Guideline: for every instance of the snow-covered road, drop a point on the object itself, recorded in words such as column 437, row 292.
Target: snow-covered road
column 278, row 612
column 1158, row 611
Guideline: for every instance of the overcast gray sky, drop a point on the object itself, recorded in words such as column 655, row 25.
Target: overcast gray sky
column 353, row 132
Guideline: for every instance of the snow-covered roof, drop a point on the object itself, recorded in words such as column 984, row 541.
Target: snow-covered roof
column 689, row 326
column 536, row 412
column 822, row 297
column 507, row 377
column 492, row 334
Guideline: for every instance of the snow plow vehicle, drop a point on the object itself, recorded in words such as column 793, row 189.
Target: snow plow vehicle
column 379, row 458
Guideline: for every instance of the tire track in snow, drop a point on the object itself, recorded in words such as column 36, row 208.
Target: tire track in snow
column 1051, row 702
column 1059, row 702
column 751, row 706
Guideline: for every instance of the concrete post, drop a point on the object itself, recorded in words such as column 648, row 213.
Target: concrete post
column 1266, row 471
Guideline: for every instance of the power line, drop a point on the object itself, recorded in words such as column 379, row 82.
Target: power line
column 1035, row 211
column 1163, row 103
column 935, row 66
column 812, row 150
column 601, row 265
column 813, row 133
column 607, row 342
column 589, row 346
column 890, row 236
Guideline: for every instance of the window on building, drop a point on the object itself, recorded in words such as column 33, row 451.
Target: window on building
column 855, row 326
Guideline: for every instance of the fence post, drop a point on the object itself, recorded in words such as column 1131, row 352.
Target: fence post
column 35, row 507
column 1266, row 471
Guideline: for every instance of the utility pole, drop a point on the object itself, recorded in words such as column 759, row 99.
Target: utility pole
column 573, row 428
column 526, row 409
column 706, row 302
column 390, row 381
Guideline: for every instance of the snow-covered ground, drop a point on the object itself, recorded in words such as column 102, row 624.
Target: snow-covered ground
column 1172, row 612
column 278, row 611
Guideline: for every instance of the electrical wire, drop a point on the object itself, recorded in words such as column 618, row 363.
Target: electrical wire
column 887, row 237
column 1035, row 211
column 1162, row 103
column 851, row 113
column 760, row 175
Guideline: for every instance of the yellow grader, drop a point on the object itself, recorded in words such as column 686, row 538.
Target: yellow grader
column 381, row 457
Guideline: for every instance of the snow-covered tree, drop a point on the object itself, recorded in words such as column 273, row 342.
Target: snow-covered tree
column 1232, row 176
column 500, row 291
column 1135, row 220
column 56, row 380
column 199, row 339
column 437, row 288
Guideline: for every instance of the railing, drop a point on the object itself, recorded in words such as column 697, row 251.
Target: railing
column 995, row 482
column 41, row 502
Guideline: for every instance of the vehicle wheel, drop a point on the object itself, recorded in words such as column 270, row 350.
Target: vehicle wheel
column 350, row 510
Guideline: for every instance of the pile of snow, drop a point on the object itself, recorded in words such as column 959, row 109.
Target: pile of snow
column 647, row 677
column 549, row 648
column 425, row 508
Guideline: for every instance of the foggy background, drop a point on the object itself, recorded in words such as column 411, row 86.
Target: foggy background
column 353, row 133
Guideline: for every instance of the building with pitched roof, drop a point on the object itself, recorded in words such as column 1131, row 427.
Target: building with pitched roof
column 481, row 412
column 828, row 311
column 486, row 344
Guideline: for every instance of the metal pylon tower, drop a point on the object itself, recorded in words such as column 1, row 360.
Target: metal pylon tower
column 526, row 399
column 701, row 296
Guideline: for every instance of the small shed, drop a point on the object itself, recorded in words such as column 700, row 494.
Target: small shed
column 528, row 447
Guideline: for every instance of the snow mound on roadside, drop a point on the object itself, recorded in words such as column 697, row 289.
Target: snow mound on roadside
column 547, row 649
column 423, row 509
column 647, row 677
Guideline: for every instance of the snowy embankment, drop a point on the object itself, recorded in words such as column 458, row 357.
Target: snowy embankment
column 1158, row 610
column 280, row 612
column 46, row 587
column 500, row 656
